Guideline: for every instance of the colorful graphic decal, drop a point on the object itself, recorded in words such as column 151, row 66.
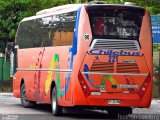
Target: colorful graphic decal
column 86, row 69
column 50, row 73
column 130, row 85
column 103, row 81
column 54, row 64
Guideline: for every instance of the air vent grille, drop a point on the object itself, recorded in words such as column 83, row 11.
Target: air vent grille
column 115, row 44
column 102, row 67
column 127, row 68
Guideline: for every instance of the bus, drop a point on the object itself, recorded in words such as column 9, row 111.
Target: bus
column 96, row 56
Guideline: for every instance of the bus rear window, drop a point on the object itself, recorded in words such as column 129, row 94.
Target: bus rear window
column 115, row 22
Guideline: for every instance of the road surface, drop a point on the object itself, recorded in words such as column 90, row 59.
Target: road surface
column 11, row 109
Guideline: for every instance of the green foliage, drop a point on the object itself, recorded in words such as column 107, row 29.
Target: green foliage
column 13, row 11
column 156, row 47
column 152, row 5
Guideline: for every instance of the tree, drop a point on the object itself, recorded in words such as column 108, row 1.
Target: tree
column 152, row 5
column 13, row 11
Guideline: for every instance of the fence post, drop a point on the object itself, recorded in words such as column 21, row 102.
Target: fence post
column 1, row 74
column 2, row 51
column 159, row 69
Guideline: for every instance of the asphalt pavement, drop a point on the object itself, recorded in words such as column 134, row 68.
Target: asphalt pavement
column 11, row 109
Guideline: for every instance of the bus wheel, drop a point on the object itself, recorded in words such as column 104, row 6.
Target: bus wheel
column 56, row 109
column 24, row 101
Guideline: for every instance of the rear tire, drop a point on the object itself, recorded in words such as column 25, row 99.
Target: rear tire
column 26, row 103
column 56, row 109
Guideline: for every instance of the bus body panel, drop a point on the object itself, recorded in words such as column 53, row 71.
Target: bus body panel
column 40, row 70
column 87, row 77
column 82, row 46
column 133, row 96
column 146, row 44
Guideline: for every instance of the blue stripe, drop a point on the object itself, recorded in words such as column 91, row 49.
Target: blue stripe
column 73, row 50
column 86, row 69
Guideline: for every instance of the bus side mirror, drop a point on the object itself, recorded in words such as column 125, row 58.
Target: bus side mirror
column 8, row 50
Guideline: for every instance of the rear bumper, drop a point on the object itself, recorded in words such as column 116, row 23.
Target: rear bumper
column 93, row 102
column 126, row 100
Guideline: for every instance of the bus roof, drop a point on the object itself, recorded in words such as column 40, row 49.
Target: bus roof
column 54, row 10
column 64, row 9
column 60, row 8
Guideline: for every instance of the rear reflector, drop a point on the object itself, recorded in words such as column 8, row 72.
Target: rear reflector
column 84, row 85
column 145, row 85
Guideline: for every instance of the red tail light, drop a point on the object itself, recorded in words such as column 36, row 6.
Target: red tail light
column 145, row 85
column 84, row 85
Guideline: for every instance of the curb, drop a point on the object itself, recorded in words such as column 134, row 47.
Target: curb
column 155, row 101
column 6, row 94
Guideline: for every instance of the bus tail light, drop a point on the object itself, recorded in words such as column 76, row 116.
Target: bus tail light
column 145, row 85
column 84, row 85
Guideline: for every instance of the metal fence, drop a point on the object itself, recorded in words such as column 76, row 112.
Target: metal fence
column 4, row 74
column 156, row 84
column 5, row 81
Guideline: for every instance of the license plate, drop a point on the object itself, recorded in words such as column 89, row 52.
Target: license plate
column 114, row 102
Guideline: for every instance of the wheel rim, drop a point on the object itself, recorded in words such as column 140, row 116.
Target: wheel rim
column 54, row 103
column 24, row 99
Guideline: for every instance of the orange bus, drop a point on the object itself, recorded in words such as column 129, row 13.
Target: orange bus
column 85, row 55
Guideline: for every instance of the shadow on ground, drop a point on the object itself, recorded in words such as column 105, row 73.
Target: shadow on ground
column 75, row 113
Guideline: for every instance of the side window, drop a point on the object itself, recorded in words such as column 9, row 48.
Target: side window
column 47, row 31
column 55, row 30
column 58, row 29
column 23, row 35
column 30, row 34
column 38, row 33
column 64, row 34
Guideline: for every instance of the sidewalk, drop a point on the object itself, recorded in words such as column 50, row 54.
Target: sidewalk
column 6, row 94
column 155, row 101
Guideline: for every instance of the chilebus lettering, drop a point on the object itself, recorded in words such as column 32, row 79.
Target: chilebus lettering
column 112, row 52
